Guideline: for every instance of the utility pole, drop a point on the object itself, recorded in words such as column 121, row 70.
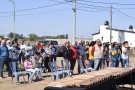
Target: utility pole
column 74, row 30
column 14, row 16
column 111, row 25
column 44, row 35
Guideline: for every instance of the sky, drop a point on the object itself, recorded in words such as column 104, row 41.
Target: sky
column 55, row 17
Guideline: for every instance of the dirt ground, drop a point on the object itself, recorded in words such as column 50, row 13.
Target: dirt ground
column 5, row 84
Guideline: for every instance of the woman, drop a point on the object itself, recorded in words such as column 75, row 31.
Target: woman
column 48, row 57
column 87, row 50
column 115, row 55
column 91, row 56
column 14, row 57
column 29, row 67
column 67, row 54
column 73, row 57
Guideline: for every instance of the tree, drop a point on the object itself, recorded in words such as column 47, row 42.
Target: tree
column 11, row 35
column 32, row 37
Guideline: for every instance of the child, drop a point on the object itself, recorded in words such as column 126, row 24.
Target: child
column 31, row 68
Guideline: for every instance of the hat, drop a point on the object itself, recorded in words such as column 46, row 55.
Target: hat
column 8, row 41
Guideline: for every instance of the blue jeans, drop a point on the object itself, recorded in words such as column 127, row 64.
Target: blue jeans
column 115, row 63
column 66, row 64
column 96, row 63
column 1, row 67
column 81, row 65
column 14, row 65
column 91, row 63
column 126, row 62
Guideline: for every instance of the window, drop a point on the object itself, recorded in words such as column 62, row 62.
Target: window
column 101, row 38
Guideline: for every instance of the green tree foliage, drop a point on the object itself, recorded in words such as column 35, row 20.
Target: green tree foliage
column 11, row 35
column 32, row 37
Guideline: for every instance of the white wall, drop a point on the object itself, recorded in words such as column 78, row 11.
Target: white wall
column 130, row 38
column 115, row 36
column 95, row 37
column 125, row 36
column 105, row 33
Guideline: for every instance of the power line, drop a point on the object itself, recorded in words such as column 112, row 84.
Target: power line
column 88, row 7
column 88, row 10
column 35, row 8
column 108, row 3
column 105, row 3
column 39, row 13
column 123, row 13
column 124, row 17
column 92, row 5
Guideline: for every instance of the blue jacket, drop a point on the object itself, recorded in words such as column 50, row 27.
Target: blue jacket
column 81, row 50
column 115, row 54
column 4, row 52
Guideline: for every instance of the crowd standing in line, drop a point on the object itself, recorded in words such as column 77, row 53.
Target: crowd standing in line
column 92, row 54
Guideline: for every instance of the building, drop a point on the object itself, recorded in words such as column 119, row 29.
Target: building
column 118, row 35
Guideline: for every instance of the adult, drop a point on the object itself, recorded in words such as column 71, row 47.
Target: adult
column 73, row 57
column 67, row 54
column 91, row 56
column 4, row 55
column 36, row 53
column 48, row 51
column 125, row 54
column 81, row 52
column 23, row 50
column 115, row 55
column 14, row 57
column 106, row 58
column 87, row 50
column 53, row 52
column 28, row 49
column 97, row 51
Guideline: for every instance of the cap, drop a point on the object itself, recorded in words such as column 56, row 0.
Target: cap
column 8, row 41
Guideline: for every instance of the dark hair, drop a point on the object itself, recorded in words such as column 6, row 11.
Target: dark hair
column 92, row 43
column 27, row 56
column 125, row 42
column 113, row 44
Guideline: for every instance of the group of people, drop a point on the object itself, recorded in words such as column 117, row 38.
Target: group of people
column 92, row 54
column 97, row 55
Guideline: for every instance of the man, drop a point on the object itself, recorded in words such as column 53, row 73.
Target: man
column 97, row 51
column 81, row 51
column 28, row 49
column 9, row 45
column 4, row 55
column 125, row 53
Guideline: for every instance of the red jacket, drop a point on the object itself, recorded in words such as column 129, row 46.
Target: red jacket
column 39, row 46
column 74, row 52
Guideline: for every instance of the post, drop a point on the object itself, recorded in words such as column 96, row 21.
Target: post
column 14, row 17
column 111, row 25
column 74, row 30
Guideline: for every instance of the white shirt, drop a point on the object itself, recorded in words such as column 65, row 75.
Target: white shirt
column 124, row 56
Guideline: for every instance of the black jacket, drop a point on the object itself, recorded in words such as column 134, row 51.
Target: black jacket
column 67, row 53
